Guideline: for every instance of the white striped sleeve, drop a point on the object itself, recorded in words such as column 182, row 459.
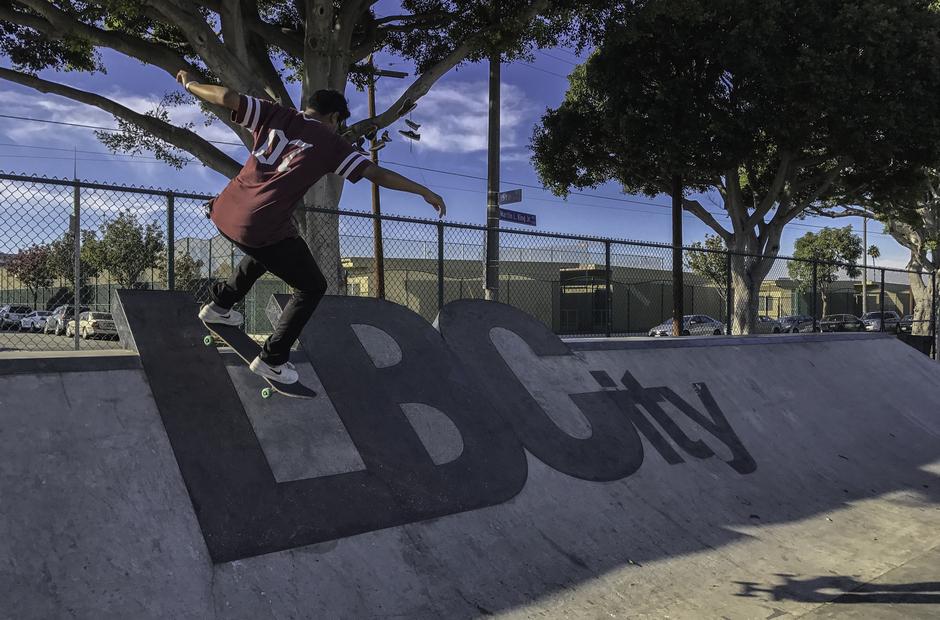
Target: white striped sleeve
column 352, row 162
column 252, row 112
column 255, row 115
column 344, row 163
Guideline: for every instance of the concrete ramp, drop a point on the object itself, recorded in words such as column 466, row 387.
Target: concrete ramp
column 477, row 467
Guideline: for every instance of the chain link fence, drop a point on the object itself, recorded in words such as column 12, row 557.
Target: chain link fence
column 576, row 285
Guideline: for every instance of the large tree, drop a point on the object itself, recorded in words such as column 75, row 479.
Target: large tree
column 912, row 218
column 709, row 261
column 771, row 107
column 260, row 47
column 62, row 257
column 821, row 257
column 128, row 248
column 31, row 267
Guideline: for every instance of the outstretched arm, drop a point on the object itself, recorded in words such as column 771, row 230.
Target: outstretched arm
column 392, row 180
column 219, row 95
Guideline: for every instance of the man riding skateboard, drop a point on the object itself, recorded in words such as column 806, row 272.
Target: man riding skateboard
column 292, row 150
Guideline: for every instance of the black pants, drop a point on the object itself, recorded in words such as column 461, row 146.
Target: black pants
column 291, row 261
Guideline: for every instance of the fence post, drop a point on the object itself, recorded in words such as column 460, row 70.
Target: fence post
column 171, row 241
column 815, row 275
column 933, row 314
column 728, row 299
column 609, row 302
column 77, row 267
column 881, row 299
column 440, row 266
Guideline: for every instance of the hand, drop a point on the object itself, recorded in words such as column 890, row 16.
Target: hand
column 183, row 77
column 435, row 201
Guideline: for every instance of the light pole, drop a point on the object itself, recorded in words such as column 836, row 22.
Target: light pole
column 865, row 265
column 491, row 284
column 376, row 207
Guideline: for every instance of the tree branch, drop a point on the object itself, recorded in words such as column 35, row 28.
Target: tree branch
column 780, row 179
column 423, row 84
column 56, row 24
column 288, row 40
column 695, row 208
column 236, row 17
column 439, row 15
column 59, row 23
column 220, row 60
column 177, row 136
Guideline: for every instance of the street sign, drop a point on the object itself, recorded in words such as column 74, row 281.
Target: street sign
column 517, row 217
column 513, row 195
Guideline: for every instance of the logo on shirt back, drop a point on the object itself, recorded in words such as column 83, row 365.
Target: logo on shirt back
column 274, row 149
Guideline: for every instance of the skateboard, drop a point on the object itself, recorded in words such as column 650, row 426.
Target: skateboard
column 248, row 349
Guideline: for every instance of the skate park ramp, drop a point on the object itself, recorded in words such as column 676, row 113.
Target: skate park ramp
column 472, row 468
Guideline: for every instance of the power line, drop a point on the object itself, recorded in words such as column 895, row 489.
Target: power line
column 558, row 58
column 84, row 126
column 531, row 66
column 526, row 185
column 458, row 174
column 447, row 172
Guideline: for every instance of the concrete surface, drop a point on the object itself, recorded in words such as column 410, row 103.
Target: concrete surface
column 766, row 478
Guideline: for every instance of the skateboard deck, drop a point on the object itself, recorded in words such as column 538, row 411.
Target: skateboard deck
column 248, row 349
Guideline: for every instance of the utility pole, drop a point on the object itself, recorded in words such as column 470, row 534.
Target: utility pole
column 376, row 206
column 864, row 265
column 491, row 286
column 677, row 286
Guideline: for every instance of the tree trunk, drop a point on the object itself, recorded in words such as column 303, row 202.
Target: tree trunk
column 326, row 65
column 922, row 293
column 321, row 230
column 746, row 294
column 747, row 276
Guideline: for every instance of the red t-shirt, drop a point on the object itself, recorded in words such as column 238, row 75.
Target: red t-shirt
column 290, row 153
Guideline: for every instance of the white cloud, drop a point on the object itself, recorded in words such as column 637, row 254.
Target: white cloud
column 56, row 108
column 454, row 116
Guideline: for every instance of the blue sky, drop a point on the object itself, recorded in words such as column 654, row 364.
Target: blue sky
column 454, row 122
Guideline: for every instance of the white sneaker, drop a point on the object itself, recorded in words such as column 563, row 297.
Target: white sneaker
column 211, row 313
column 282, row 373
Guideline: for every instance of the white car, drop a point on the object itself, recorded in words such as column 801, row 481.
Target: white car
column 93, row 324
column 692, row 325
column 34, row 321
column 873, row 320
column 767, row 325
column 12, row 316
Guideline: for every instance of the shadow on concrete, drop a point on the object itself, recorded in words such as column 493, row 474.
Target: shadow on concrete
column 845, row 590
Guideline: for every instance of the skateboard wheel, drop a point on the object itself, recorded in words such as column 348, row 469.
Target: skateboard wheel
column 207, row 340
column 266, row 392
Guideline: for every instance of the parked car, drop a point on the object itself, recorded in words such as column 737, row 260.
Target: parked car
column 767, row 325
column 13, row 315
column 841, row 323
column 92, row 325
column 906, row 326
column 34, row 321
column 873, row 321
column 56, row 322
column 692, row 325
column 796, row 324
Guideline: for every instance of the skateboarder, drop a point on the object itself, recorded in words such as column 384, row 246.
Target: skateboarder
column 292, row 150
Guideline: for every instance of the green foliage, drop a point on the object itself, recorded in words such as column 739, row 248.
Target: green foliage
column 710, row 262
column 135, row 140
column 704, row 88
column 834, row 249
column 874, row 252
column 127, row 248
column 31, row 267
column 186, row 272
column 62, row 256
